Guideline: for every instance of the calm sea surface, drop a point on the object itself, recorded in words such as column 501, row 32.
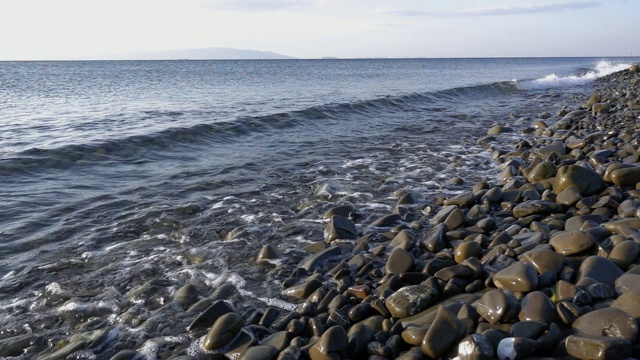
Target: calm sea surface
column 119, row 175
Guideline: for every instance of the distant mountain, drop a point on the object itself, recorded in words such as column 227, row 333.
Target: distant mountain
column 197, row 54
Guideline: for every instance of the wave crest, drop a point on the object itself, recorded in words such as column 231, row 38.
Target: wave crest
column 601, row 69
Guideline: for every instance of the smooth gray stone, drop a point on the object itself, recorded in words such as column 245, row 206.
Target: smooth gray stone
column 315, row 261
column 340, row 227
column 600, row 269
column 513, row 348
column 386, row 221
column 342, row 210
column 260, row 352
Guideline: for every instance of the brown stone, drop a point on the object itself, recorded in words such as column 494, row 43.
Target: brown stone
column 598, row 347
column 333, row 339
column 268, row 253
column 587, row 181
column 413, row 335
column 571, row 242
column 569, row 196
column 542, row 171
column 619, row 226
column 519, row 277
column 464, row 199
column 544, row 260
column 626, row 176
column 532, row 207
column 466, row 250
column 536, row 306
column 223, row 331
column 399, row 261
column 627, row 283
column 493, row 306
column 624, row 253
column 629, row 302
column 444, row 332
column 455, row 220
column 611, row 322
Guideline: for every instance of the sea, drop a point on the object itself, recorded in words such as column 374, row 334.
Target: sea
column 122, row 181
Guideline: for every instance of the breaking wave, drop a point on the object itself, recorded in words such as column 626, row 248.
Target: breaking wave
column 602, row 68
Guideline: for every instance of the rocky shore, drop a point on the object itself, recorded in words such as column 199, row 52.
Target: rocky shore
column 541, row 262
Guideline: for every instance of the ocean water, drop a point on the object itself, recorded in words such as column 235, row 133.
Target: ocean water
column 122, row 181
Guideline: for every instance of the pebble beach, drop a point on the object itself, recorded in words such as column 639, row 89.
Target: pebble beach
column 539, row 261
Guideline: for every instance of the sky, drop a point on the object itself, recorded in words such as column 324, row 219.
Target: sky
column 68, row 29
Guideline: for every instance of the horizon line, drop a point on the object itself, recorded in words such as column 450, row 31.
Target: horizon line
column 325, row 58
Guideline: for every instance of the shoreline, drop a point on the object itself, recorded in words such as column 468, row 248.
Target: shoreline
column 534, row 265
column 537, row 262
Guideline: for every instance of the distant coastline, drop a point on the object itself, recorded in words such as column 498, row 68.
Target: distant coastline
column 214, row 53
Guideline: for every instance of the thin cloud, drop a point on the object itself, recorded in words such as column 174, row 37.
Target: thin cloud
column 529, row 8
column 498, row 10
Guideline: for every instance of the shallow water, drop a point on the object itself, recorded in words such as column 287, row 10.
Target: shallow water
column 123, row 181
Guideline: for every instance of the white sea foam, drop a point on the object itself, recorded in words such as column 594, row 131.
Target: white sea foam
column 74, row 306
column 15, row 304
column 377, row 206
column 601, row 69
column 249, row 218
column 54, row 288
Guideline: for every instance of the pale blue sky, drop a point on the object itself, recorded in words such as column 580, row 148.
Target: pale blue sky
column 67, row 29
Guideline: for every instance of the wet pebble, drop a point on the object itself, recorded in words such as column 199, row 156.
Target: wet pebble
column 598, row 347
column 223, row 331
column 445, row 331
column 611, row 322
column 518, row 277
